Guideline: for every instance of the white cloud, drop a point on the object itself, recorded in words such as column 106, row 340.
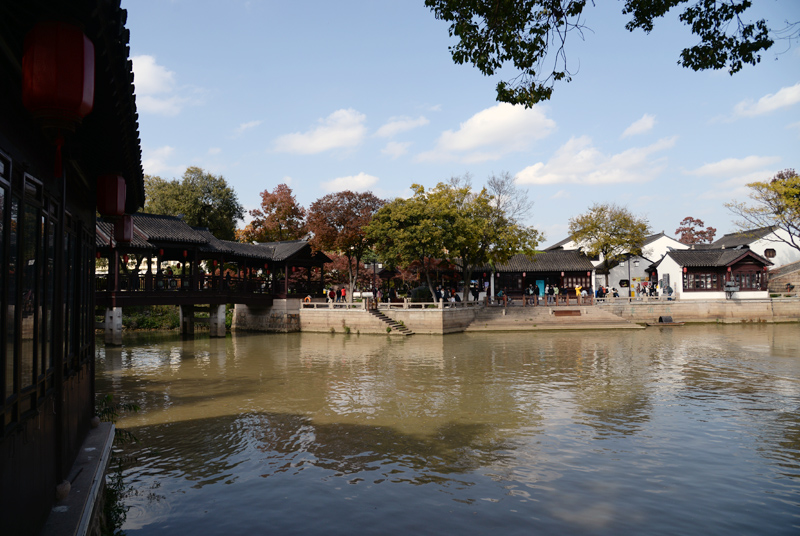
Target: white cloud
column 214, row 150
column 561, row 194
column 341, row 129
column 247, row 126
column 647, row 122
column 356, row 183
column 154, row 161
column 735, row 166
column 397, row 125
column 491, row 134
column 151, row 78
column 579, row 162
column 735, row 187
column 785, row 97
column 156, row 89
column 396, row 149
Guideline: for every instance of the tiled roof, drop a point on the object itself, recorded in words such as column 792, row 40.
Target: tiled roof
column 104, row 233
column 712, row 257
column 161, row 228
column 548, row 261
column 785, row 269
column 213, row 244
column 250, row 251
column 558, row 245
column 284, row 250
column 742, row 238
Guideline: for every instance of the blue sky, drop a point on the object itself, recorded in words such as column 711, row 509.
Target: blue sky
column 363, row 95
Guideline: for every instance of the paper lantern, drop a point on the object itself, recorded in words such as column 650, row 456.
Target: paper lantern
column 123, row 229
column 111, row 192
column 185, row 253
column 160, row 252
column 58, row 78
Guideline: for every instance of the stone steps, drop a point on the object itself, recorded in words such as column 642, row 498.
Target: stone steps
column 543, row 317
column 396, row 326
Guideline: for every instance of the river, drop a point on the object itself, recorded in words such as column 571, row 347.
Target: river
column 683, row 430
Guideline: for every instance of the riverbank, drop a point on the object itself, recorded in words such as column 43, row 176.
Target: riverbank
column 616, row 315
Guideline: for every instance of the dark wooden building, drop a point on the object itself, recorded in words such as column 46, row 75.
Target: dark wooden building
column 68, row 118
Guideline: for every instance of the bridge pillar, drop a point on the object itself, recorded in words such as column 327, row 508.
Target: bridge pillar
column 216, row 320
column 187, row 320
column 113, row 326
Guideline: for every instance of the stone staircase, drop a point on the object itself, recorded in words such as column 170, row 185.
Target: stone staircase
column 396, row 326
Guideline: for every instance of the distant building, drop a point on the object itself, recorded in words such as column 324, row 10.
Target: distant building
column 769, row 242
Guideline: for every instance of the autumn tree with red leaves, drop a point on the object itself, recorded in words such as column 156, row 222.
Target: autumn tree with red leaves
column 337, row 221
column 691, row 232
column 279, row 218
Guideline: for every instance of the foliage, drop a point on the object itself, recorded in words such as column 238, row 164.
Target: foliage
column 151, row 317
column 531, row 35
column 776, row 204
column 609, row 230
column 448, row 222
column 205, row 200
column 115, row 511
column 486, row 228
column 691, row 232
column 337, row 222
column 337, row 273
column 279, row 218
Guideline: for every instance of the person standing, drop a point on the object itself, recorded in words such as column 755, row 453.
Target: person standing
column 535, row 294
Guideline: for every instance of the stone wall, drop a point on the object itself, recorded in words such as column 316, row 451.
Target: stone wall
column 282, row 317
column 725, row 311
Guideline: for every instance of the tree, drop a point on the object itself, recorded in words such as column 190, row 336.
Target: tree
column 204, row 200
column 337, row 222
column 532, row 36
column 509, row 198
column 486, row 228
column 609, row 230
column 448, row 222
column 691, row 232
column 776, row 204
column 279, row 218
column 408, row 230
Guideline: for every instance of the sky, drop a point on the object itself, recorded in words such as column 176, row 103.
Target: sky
column 363, row 95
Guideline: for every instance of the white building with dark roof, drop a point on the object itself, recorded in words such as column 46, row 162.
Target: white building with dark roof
column 769, row 242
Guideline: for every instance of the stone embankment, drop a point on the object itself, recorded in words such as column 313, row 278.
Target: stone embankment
column 435, row 320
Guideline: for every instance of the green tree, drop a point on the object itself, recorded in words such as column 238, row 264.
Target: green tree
column 610, row 231
column 776, row 204
column 486, row 230
column 413, row 229
column 448, row 222
column 279, row 218
column 204, row 200
column 337, row 221
column 532, row 36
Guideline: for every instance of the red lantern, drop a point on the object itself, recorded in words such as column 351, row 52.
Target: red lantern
column 160, row 252
column 111, row 193
column 265, row 265
column 684, row 270
column 125, row 258
column 729, row 269
column 185, row 253
column 58, row 77
column 588, row 274
column 123, row 229
column 523, row 274
column 98, row 255
column 484, row 274
column 294, row 268
column 562, row 274
column 215, row 264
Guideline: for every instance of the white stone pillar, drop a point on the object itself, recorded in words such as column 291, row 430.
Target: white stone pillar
column 113, row 326
column 216, row 320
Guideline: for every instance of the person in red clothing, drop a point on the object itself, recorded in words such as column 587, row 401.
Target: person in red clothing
column 344, row 294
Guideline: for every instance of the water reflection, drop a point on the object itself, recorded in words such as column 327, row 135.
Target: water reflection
column 689, row 430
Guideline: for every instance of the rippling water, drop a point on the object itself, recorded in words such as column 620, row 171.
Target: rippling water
column 688, row 430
